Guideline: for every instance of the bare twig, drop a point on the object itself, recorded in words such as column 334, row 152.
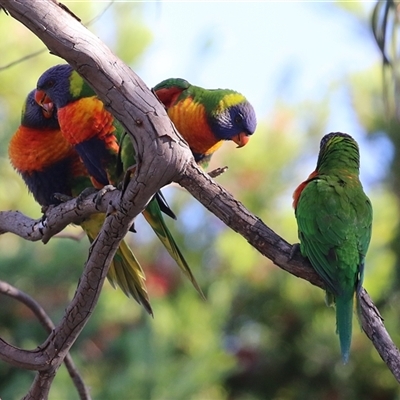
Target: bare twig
column 66, row 9
column 47, row 323
column 100, row 14
column 45, row 50
column 55, row 219
column 217, row 172
column 22, row 59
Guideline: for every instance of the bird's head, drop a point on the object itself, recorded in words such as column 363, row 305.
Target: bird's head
column 61, row 85
column 53, row 86
column 338, row 150
column 233, row 119
column 36, row 117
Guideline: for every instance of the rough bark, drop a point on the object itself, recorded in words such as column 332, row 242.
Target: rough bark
column 165, row 157
column 48, row 325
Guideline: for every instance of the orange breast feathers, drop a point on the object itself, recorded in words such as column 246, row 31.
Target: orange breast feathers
column 190, row 119
column 87, row 118
column 36, row 149
column 300, row 188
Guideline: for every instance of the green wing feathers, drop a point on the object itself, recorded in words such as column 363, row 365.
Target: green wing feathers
column 125, row 270
column 153, row 216
column 334, row 231
column 129, row 276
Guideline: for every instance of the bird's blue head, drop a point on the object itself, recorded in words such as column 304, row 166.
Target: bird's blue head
column 61, row 85
column 35, row 117
column 233, row 119
column 54, row 86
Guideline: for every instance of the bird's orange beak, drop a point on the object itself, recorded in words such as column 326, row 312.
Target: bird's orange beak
column 45, row 102
column 241, row 139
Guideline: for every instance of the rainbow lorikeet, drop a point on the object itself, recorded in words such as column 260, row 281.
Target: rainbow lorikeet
column 49, row 164
column 205, row 118
column 334, row 218
column 96, row 135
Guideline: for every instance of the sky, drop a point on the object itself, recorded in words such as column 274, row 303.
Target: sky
column 287, row 50
column 262, row 49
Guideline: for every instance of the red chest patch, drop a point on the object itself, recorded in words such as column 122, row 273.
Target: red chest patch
column 300, row 188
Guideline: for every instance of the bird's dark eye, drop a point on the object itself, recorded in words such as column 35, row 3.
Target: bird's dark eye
column 50, row 84
column 238, row 119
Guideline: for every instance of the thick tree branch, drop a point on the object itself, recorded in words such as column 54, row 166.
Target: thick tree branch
column 164, row 158
column 55, row 219
column 48, row 325
column 139, row 111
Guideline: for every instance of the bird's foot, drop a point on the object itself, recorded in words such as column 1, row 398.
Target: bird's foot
column 44, row 209
column 42, row 223
column 84, row 195
column 100, row 194
column 329, row 299
column 43, row 219
column 61, row 197
column 294, row 250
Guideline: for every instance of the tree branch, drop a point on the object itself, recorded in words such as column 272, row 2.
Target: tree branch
column 44, row 50
column 267, row 242
column 47, row 323
column 140, row 112
column 55, row 219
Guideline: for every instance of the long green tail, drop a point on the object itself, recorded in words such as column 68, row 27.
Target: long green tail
column 344, row 324
column 125, row 270
column 153, row 216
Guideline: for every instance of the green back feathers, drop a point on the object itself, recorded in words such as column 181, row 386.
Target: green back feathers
column 213, row 100
column 172, row 83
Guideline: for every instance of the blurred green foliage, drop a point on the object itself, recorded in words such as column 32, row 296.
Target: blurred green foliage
column 262, row 333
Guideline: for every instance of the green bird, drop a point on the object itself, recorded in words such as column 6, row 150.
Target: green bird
column 334, row 218
column 98, row 138
column 207, row 117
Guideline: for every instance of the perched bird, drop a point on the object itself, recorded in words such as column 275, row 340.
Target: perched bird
column 334, row 218
column 97, row 136
column 44, row 159
column 205, row 118
column 49, row 164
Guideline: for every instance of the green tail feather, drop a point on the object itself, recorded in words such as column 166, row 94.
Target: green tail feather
column 344, row 324
column 125, row 270
column 153, row 216
column 129, row 276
